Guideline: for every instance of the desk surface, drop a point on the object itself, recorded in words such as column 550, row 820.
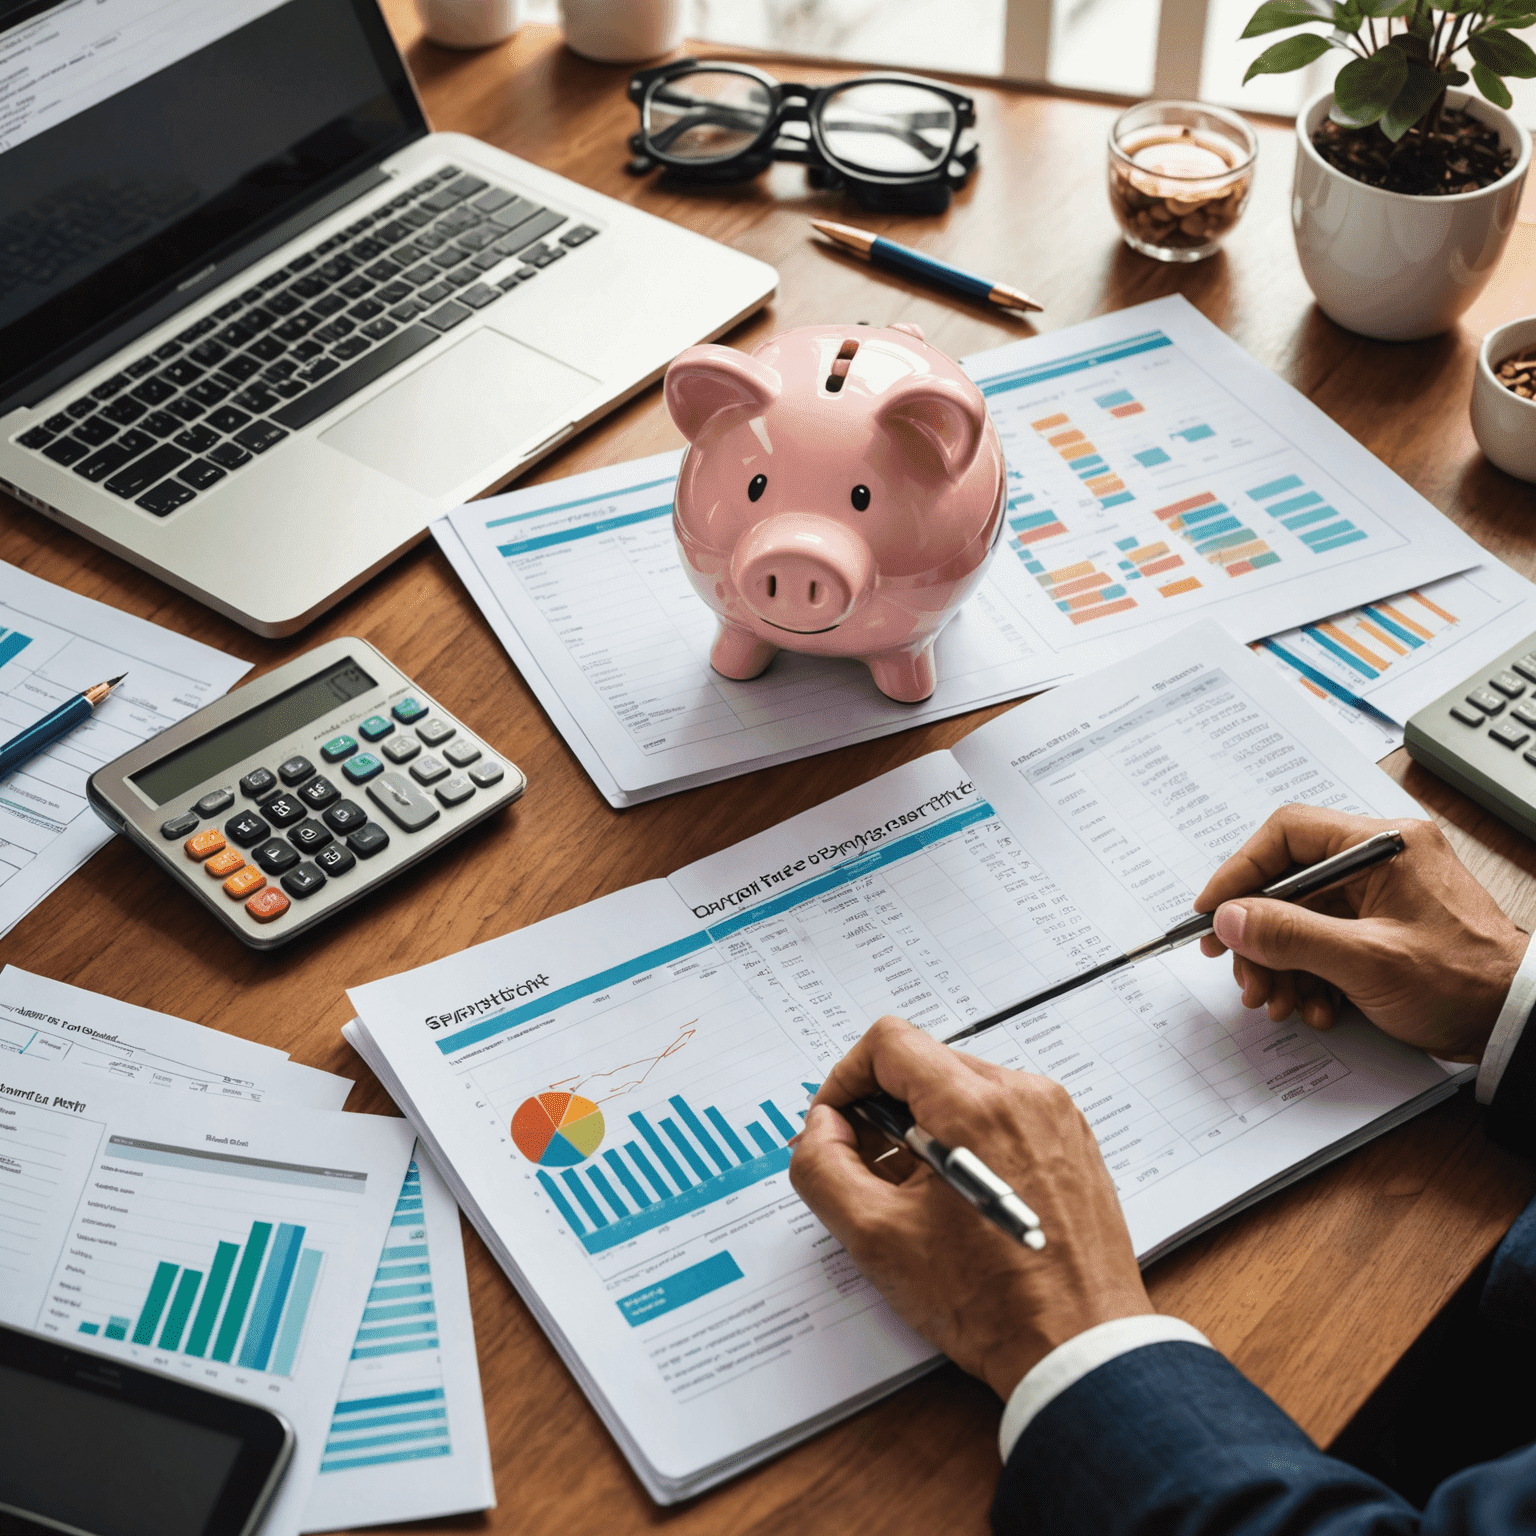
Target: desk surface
column 1316, row 1293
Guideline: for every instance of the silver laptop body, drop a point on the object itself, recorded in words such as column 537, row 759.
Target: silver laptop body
column 375, row 389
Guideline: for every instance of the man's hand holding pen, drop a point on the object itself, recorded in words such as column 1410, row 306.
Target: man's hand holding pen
column 1415, row 943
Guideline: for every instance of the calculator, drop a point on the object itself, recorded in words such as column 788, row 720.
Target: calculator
column 303, row 791
column 1481, row 736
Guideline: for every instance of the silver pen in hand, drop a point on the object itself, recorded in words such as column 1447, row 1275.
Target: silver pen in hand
column 959, row 1167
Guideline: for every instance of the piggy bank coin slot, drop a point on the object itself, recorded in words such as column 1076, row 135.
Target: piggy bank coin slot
column 840, row 365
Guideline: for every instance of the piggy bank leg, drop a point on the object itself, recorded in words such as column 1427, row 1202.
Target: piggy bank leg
column 739, row 654
column 907, row 678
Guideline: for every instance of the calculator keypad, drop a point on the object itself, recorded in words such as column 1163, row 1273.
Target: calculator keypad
column 435, row 732
column 295, row 770
column 402, row 751
column 345, row 816
column 402, row 802
column 376, row 728
column 243, row 882
column 462, row 753
column 247, row 829
column 178, row 826
column 265, row 906
column 222, row 864
column 275, row 856
column 429, row 770
column 368, row 840
column 338, row 747
column 456, row 791
column 309, row 835
column 303, row 881
column 1510, row 735
column 1486, row 700
column 408, row 709
column 335, row 860
column 214, row 802
column 258, row 782
column 201, row 844
column 284, row 810
column 1507, row 684
column 487, row 773
column 363, row 767
column 318, row 793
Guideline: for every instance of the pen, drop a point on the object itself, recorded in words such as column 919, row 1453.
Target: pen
column 43, row 733
column 960, row 1168
column 1311, row 881
column 902, row 258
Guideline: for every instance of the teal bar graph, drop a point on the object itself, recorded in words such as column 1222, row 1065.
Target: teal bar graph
column 259, row 1337
column 181, row 1309
column 621, row 1194
column 213, row 1293
column 90, row 1327
column 117, row 1328
column 154, row 1304
column 12, row 643
column 240, row 1292
column 298, row 1310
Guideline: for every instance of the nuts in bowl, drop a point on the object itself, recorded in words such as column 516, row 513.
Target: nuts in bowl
column 1179, row 177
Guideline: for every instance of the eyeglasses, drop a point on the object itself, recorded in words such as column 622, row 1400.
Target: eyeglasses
column 892, row 141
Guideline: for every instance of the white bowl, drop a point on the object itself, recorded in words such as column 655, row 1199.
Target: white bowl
column 1505, row 424
column 1396, row 267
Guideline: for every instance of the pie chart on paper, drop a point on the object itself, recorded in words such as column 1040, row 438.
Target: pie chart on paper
column 557, row 1129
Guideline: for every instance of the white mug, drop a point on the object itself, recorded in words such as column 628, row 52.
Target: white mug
column 623, row 31
column 469, row 23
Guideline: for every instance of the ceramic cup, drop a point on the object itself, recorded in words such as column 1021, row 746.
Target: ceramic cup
column 623, row 31
column 1391, row 266
column 469, row 23
column 1505, row 424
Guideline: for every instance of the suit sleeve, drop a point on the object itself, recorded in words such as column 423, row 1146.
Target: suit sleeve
column 1171, row 1440
column 1512, row 1113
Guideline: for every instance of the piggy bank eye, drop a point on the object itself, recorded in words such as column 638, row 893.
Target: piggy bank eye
column 756, row 486
column 860, row 498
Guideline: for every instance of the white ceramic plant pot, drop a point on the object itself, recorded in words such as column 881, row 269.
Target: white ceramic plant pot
column 469, row 23
column 623, row 31
column 1392, row 266
column 1505, row 425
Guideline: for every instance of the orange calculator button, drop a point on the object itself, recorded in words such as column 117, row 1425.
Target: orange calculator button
column 222, row 864
column 267, row 905
column 245, row 882
column 201, row 844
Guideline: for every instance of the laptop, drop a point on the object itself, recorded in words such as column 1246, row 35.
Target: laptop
column 259, row 325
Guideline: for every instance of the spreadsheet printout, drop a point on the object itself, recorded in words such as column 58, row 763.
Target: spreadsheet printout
column 588, row 575
column 53, row 1021
column 616, row 1088
column 53, row 645
column 1157, row 472
column 228, row 1244
column 407, row 1439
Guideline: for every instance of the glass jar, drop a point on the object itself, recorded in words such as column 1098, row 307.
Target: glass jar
column 1179, row 177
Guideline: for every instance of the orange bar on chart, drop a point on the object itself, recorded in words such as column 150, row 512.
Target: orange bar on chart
column 1059, row 420
column 1103, row 609
column 1157, row 567
column 1407, row 623
column 1061, row 439
column 1135, row 408
column 1083, row 584
column 1173, row 588
column 1377, row 633
column 1067, row 572
column 1204, row 499
column 1369, row 657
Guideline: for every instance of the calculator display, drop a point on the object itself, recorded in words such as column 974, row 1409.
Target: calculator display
column 208, row 757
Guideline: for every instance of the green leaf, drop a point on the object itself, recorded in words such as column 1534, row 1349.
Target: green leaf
column 1415, row 47
column 1454, row 76
column 1420, row 92
column 1503, row 53
column 1294, row 53
column 1366, row 88
column 1513, row 14
column 1386, row 7
column 1275, row 14
column 1491, row 86
column 1348, row 17
column 1422, row 25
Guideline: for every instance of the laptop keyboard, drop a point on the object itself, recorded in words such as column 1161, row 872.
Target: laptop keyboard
column 182, row 418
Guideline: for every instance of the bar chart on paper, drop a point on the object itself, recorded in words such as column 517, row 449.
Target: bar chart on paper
column 1144, row 487
column 202, row 1256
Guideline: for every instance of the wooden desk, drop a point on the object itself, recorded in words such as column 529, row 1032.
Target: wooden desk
column 1316, row 1293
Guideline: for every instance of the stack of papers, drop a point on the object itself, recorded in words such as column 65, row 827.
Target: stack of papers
column 1156, row 474
column 611, row 1093
column 198, row 1205
column 53, row 645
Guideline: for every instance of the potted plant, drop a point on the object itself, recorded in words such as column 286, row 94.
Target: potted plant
column 1406, row 187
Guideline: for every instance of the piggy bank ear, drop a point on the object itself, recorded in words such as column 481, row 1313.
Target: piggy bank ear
column 706, row 380
column 940, row 420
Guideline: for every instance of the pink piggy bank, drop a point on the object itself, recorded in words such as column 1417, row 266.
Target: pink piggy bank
column 842, row 491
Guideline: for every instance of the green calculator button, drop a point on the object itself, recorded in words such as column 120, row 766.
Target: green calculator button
column 408, row 709
column 362, row 767
column 338, row 747
column 375, row 728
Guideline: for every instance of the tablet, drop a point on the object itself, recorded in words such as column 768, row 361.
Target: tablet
column 92, row 1447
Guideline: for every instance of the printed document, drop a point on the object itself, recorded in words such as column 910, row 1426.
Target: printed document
column 611, row 1093
column 53, row 645
column 231, row 1244
column 1156, row 473
column 407, row 1438
column 53, row 1021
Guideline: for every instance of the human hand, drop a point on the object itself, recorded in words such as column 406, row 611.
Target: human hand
column 1416, row 944
column 992, row 1306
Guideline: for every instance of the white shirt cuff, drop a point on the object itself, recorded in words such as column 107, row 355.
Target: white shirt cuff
column 1507, row 1031
column 1068, row 1363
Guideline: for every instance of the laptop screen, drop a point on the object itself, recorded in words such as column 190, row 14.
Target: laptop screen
column 143, row 141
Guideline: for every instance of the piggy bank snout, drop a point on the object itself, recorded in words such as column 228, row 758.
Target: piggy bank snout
column 801, row 572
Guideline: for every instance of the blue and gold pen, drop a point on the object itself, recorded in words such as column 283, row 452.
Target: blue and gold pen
column 43, row 733
column 881, row 252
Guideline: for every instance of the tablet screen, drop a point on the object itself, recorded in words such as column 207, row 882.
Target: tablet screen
column 93, row 1463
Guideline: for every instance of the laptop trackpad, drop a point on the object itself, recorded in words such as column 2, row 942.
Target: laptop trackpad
column 458, row 416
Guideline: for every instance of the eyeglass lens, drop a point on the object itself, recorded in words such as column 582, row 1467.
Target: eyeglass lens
column 709, row 114
column 888, row 127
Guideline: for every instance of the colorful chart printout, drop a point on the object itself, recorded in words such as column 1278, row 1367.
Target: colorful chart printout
column 557, row 1129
